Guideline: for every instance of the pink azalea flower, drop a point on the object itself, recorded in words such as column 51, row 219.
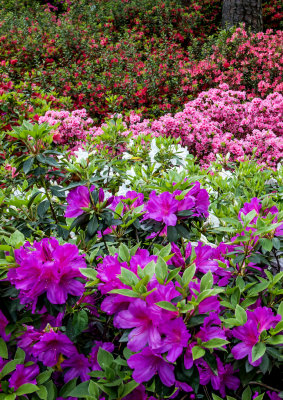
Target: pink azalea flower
column 147, row 363
column 77, row 199
column 23, row 375
column 162, row 208
column 144, row 320
column 77, row 366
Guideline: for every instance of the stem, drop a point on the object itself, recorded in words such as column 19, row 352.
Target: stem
column 264, row 385
column 49, row 199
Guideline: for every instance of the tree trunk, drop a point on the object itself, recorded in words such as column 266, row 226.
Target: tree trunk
column 249, row 12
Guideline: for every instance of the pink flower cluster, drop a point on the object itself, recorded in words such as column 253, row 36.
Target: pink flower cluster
column 221, row 121
column 74, row 126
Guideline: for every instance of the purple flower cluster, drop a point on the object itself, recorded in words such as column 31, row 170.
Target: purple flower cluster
column 165, row 207
column 256, row 205
column 47, row 268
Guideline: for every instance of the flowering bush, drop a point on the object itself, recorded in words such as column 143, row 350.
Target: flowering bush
column 165, row 283
column 221, row 121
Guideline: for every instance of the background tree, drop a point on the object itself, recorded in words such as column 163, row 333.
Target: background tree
column 249, row 12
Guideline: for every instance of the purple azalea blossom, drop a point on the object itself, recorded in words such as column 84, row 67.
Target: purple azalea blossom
column 211, row 329
column 228, row 380
column 207, row 305
column 176, row 338
column 3, row 323
column 273, row 395
column 108, row 272
column 23, row 375
column 51, row 344
column 254, row 204
column 144, row 320
column 78, row 366
column 108, row 346
column 263, row 318
column 249, row 335
column 201, row 200
column 47, row 267
column 141, row 258
column 147, row 363
column 28, row 339
column 260, row 319
column 115, row 303
column 162, row 208
column 77, row 199
column 206, row 374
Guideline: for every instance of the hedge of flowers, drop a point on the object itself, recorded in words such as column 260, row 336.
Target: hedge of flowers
column 119, row 56
column 129, row 272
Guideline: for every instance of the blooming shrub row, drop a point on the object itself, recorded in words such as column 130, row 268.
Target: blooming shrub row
column 106, row 64
column 217, row 121
column 168, row 288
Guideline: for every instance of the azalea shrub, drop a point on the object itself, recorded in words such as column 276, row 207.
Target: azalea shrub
column 128, row 271
column 120, row 56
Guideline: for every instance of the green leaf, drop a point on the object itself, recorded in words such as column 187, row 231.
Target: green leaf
column 240, row 314
column 215, row 397
column 161, row 270
column 266, row 244
column 124, row 252
column 42, row 208
column 80, row 391
column 92, row 226
column 259, row 397
column 42, row 393
column 104, row 358
column 90, row 273
column 247, row 394
column 9, row 367
column 93, row 389
column 128, row 277
column 280, row 309
column 188, row 275
column 165, row 251
column 44, row 376
column 275, row 340
column 27, row 165
column 206, row 281
column 214, row 343
column 278, row 328
column 258, row 351
column 26, row 388
column 129, row 387
column 3, row 349
column 16, row 239
column 172, row 234
column 125, row 292
column 197, row 352
column 166, row 306
column 68, row 387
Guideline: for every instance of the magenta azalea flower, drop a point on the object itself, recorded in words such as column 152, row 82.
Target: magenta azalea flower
column 263, row 318
column 51, row 345
column 3, row 323
column 249, row 336
column 228, row 380
column 108, row 272
column 162, row 208
column 78, row 366
column 77, row 199
column 47, row 267
column 144, row 320
column 147, row 363
column 201, row 200
column 23, row 375
column 108, row 346
column 211, row 329
column 254, row 204
column 141, row 259
column 176, row 338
